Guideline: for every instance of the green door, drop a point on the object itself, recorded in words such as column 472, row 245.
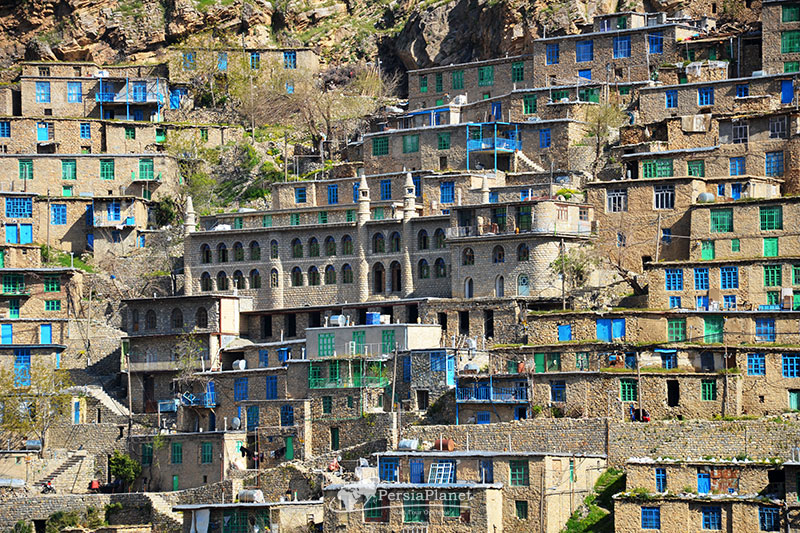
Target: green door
column 289, row 448
column 712, row 329
column 387, row 346
column 794, row 400
column 2, row 258
column 538, row 362
column 357, row 372
column 174, row 482
column 358, row 342
column 334, row 438
column 707, row 250
column 13, row 309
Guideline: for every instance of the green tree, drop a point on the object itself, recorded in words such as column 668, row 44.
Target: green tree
column 124, row 468
column 602, row 123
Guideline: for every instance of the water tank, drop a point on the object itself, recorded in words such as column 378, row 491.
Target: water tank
column 386, row 319
column 239, row 364
column 444, row 445
column 706, row 198
column 338, row 320
column 373, row 319
column 408, row 444
column 251, row 496
column 33, row 445
column 222, row 227
column 236, row 423
column 472, row 367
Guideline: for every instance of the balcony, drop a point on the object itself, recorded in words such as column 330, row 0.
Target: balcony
column 124, row 97
column 555, row 228
column 490, row 144
column 15, row 292
column 492, row 394
column 153, row 366
column 204, row 399
column 342, row 383
column 103, row 220
column 145, row 176
column 168, row 406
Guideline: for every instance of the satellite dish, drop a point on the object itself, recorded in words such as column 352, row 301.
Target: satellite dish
column 236, row 423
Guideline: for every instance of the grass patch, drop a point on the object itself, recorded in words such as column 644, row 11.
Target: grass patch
column 53, row 257
column 595, row 514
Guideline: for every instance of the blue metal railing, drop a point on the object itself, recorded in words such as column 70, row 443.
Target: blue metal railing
column 491, row 394
column 168, row 406
column 204, row 399
column 492, row 143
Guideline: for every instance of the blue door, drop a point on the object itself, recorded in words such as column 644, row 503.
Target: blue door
column 703, row 483
column 211, row 394
column 520, row 412
column 702, row 303
column 787, row 91
column 618, row 328
column 42, row 131
column 46, row 334
column 25, row 233
column 497, row 110
column 90, row 241
column 7, row 334
column 483, row 392
column 564, row 333
column 139, row 91
column 11, row 234
column 141, row 241
column 487, row 471
column 76, row 412
column 451, row 369
column 416, row 471
column 604, row 329
column 138, row 115
column 114, row 212
column 736, row 191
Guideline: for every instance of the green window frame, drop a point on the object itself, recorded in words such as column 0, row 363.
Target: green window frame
column 52, row 284
column 772, row 275
column 130, row 133
column 486, row 76
column 773, row 298
column 13, row 283
column 350, row 216
column 791, row 66
column 790, row 42
column 589, row 95
column 517, row 71
column 423, row 84
column 707, row 250
column 735, row 245
column 378, row 213
column 387, row 341
column 771, row 217
column 69, row 169
column 327, row 405
column 557, row 96
column 657, row 168
column 204, row 134
column 410, row 144
column 696, row 168
column 206, row 453
column 439, row 82
column 443, row 141
column 322, row 217
column 790, row 13
column 26, row 169
column 529, row 104
column 107, row 169
column 521, row 509
column 147, row 454
column 795, row 274
column 380, row 146
column 518, row 473
column 415, row 508
column 146, row 169
column 721, row 220
column 770, row 247
column 176, row 455
column 452, row 505
column 708, row 390
column 266, row 221
column 628, row 390
column 326, row 344
column 52, row 305
column 676, row 329
column 713, row 329
column 294, row 219
column 457, row 79
column 373, row 508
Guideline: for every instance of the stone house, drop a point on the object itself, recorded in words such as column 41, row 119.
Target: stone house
column 290, row 516
column 780, row 26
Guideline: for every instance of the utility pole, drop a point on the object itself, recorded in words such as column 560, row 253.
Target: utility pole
column 658, row 240
column 285, row 157
column 563, row 277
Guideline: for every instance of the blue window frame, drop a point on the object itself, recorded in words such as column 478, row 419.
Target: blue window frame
column 712, row 517
column 263, row 358
column 486, row 471
column 584, row 51
column 773, row 164
column 438, row 361
column 701, row 279
column 791, row 365
column 729, row 277
column 551, row 56
column 222, row 61
column 674, row 279
column 446, row 192
column 113, row 211
column 655, row 42
column 544, row 138
column 756, row 364
column 271, row 388
column 564, row 332
column 58, row 214
column 289, row 87
column 661, row 480
column 702, row 303
column 287, row 415
column 406, row 368
column 558, row 391
column 671, row 97
column 74, row 92
column 188, row 61
column 622, row 46
column 765, row 329
column 386, row 189
column 355, row 192
column 669, row 360
column 721, row 189
column 494, row 197
column 22, row 367
column 705, row 96
column 290, row 59
column 388, row 468
column 586, row 74
column 86, row 130
column 666, row 235
column 300, row 195
column 43, row 92
column 255, row 60
column 742, row 90
column 483, row 417
column 651, row 517
column 417, row 186
column 333, row 194
column 240, row 392
column 736, row 166
column 729, row 301
column 175, row 96
column 674, row 302
column 19, row 207
column 769, row 519
column 252, row 417
column 5, row 129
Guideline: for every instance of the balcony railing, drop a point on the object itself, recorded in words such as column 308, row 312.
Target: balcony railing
column 492, row 143
column 168, row 406
column 369, row 348
column 102, row 219
column 15, row 291
column 492, row 394
column 341, row 383
column 203, row 399
column 123, row 97
column 582, row 228
column 145, row 176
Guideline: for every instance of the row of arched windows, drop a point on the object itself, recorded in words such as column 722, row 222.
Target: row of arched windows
column 238, row 281
column 424, row 269
column 523, row 286
column 498, row 255
column 423, row 242
column 176, row 319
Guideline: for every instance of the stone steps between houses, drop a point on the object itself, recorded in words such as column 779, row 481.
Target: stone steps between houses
column 73, row 464
column 104, row 398
column 162, row 508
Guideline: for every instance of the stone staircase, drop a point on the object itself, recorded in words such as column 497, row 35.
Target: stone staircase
column 66, row 477
column 164, row 519
column 104, row 398
column 527, row 162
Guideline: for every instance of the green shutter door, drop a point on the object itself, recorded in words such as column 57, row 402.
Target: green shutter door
column 289, row 448
column 358, row 341
column 174, row 482
column 334, row 438
column 13, row 309
column 388, row 341
column 794, row 400
column 538, row 363
column 707, row 250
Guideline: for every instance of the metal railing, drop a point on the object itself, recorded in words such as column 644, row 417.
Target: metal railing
column 345, row 382
column 102, row 219
column 203, row 399
column 491, row 394
column 582, row 228
column 492, row 143
column 146, row 176
column 369, row 348
column 15, row 291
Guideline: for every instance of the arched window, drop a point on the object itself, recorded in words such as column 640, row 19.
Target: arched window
column 330, row 246
column 378, row 244
column 273, row 278
column 439, row 268
column 205, row 282
column 313, row 247
column 273, row 249
column 347, row 274
column 423, row 269
column 468, row 257
column 394, row 242
column 498, row 255
column 205, row 254
column 201, row 318
column 468, row 288
column 150, row 320
column 523, row 285
column 378, row 278
column 255, row 251
column 297, row 248
column 297, row 277
column 422, row 240
column 313, row 276
column 500, row 287
column 135, row 320
column 222, row 281
column 177, row 319
column 395, row 277
column 238, row 251
column 438, row 239
column 222, row 253
column 238, row 280
column 330, row 275
column 347, row 245
column 523, row 252
column 255, row 279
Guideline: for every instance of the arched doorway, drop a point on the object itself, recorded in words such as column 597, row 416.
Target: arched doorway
column 378, row 278
column 468, row 288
